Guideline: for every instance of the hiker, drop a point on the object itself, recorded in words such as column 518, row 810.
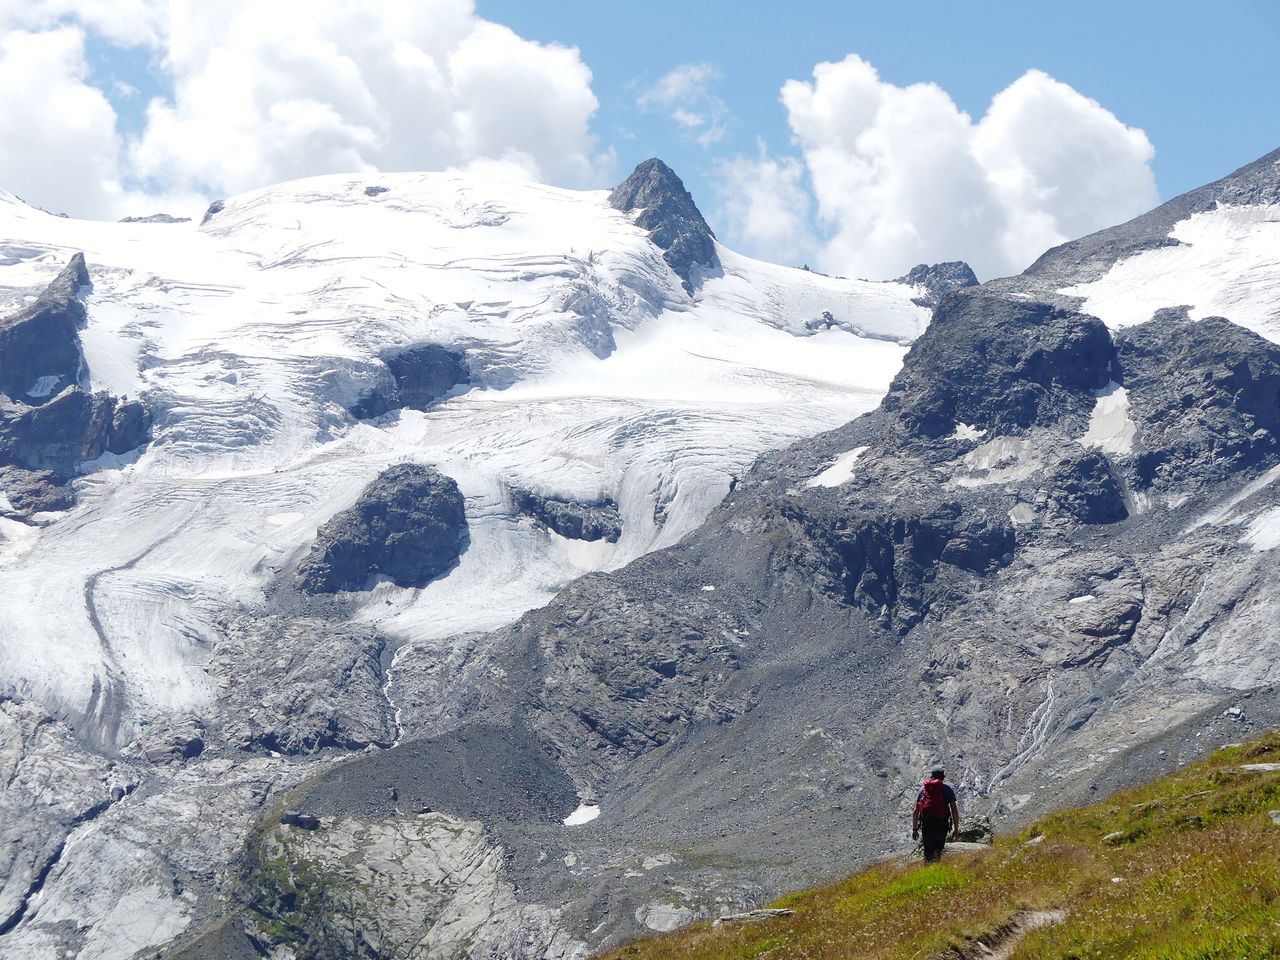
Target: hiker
column 935, row 806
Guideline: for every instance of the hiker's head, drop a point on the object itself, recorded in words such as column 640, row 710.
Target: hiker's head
column 937, row 773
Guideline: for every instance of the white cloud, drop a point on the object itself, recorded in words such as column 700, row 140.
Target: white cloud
column 764, row 208
column 264, row 92
column 685, row 93
column 58, row 142
column 901, row 175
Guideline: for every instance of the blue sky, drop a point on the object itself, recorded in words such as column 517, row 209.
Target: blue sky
column 1199, row 78
column 893, row 153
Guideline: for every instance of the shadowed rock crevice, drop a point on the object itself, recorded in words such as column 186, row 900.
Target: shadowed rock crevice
column 676, row 226
column 419, row 377
column 408, row 525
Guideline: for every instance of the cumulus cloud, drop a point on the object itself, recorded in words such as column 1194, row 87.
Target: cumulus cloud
column 686, row 94
column 58, row 142
column 263, row 92
column 901, row 175
column 764, row 206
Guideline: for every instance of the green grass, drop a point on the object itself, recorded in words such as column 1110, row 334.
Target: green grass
column 1191, row 871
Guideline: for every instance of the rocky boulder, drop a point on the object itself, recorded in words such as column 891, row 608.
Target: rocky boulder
column 408, row 525
column 1000, row 364
column 597, row 520
column 666, row 209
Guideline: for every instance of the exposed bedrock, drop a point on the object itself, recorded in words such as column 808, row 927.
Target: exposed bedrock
column 409, row 525
column 939, row 279
column 40, row 345
column 1205, row 396
column 295, row 685
column 49, row 424
column 574, row 519
column 1000, row 364
column 667, row 211
column 419, row 376
column 1085, row 489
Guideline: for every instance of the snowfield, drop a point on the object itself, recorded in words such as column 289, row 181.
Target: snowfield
column 1226, row 263
column 594, row 374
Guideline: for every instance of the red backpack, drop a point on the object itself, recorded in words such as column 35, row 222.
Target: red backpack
column 933, row 805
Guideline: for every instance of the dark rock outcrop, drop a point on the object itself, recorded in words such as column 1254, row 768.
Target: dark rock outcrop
column 409, row 525
column 1086, row 490
column 598, row 520
column 213, row 210
column 667, row 211
column 71, row 428
column 49, row 424
column 939, row 279
column 1000, row 364
column 421, row 375
column 42, row 341
column 1205, row 396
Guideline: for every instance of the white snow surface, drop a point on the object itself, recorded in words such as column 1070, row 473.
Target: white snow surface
column 1226, row 263
column 840, row 471
column 1111, row 429
column 585, row 813
column 250, row 335
column 1264, row 530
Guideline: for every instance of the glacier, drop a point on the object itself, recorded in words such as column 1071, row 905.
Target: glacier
column 251, row 335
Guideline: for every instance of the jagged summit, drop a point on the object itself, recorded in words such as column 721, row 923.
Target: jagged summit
column 939, row 279
column 673, row 220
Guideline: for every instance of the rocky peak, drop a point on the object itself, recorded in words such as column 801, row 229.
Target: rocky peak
column 939, row 279
column 1002, row 364
column 667, row 211
column 40, row 344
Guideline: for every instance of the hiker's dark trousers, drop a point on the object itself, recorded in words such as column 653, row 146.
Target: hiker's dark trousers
column 933, row 834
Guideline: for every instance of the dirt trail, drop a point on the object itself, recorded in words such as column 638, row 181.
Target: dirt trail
column 1000, row 943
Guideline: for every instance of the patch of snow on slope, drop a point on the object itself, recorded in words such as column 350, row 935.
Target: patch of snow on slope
column 840, row 471
column 585, row 813
column 1226, row 263
column 593, row 375
column 1264, row 531
column 1111, row 430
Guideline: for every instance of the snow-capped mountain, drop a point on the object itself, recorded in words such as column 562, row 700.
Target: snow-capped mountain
column 591, row 375
column 466, row 522
column 591, row 370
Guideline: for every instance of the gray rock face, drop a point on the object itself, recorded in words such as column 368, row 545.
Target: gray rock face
column 40, row 345
column 673, row 220
column 939, row 279
column 1206, row 395
column 1000, row 363
column 48, row 423
column 569, row 518
column 294, row 685
column 408, row 525
column 1086, row 490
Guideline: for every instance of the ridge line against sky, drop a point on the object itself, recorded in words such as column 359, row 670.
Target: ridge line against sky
column 860, row 139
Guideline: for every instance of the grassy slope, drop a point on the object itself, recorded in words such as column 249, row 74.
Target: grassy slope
column 1193, row 873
